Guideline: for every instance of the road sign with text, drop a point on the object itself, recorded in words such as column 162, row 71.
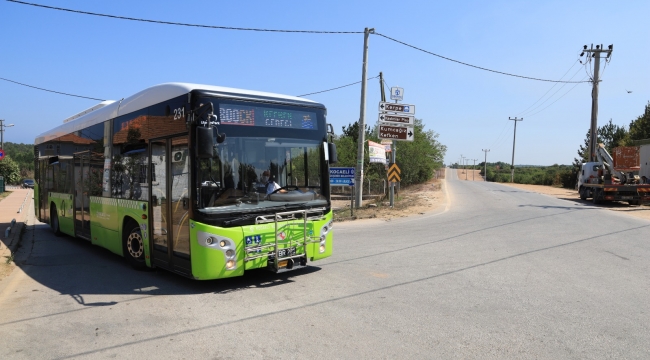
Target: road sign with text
column 342, row 176
column 396, row 132
column 396, row 119
column 398, row 108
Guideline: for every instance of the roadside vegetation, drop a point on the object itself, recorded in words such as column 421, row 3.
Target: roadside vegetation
column 18, row 163
column 418, row 160
column 611, row 135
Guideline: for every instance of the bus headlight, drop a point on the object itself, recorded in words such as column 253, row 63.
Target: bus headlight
column 230, row 253
column 209, row 240
column 230, row 264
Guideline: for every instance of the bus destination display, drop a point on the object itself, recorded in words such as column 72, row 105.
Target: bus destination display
column 267, row 117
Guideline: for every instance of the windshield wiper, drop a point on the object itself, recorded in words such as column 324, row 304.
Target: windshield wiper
column 263, row 212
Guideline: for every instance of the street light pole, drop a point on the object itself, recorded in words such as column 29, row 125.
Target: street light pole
column 2, row 130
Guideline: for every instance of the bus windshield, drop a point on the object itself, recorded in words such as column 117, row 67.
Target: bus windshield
column 254, row 174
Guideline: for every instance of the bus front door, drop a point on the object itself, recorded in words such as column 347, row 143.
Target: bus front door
column 81, row 195
column 169, row 210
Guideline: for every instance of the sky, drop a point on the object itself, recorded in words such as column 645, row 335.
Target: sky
column 469, row 108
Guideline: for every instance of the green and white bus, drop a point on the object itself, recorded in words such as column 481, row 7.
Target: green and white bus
column 175, row 177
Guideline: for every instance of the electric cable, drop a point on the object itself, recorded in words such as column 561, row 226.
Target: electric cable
column 525, row 113
column 466, row 64
column 281, row 31
column 52, row 91
column 185, row 24
column 554, row 85
column 557, row 98
column 336, row 88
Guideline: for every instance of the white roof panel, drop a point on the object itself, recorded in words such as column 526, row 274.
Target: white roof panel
column 156, row 94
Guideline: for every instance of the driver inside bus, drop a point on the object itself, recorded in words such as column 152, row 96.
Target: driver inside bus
column 269, row 182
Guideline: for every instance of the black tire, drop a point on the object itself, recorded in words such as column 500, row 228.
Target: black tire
column 583, row 193
column 634, row 202
column 594, row 199
column 54, row 221
column 133, row 245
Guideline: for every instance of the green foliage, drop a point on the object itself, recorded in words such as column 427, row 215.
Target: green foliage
column 640, row 127
column 10, row 170
column 555, row 175
column 23, row 155
column 417, row 160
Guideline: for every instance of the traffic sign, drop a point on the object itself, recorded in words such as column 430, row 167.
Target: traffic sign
column 400, row 108
column 394, row 173
column 2, row 154
column 397, row 119
column 397, row 93
column 396, row 132
column 342, row 176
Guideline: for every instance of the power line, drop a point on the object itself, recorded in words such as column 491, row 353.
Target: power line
column 185, row 24
column 52, row 91
column 470, row 65
column 554, row 85
column 556, row 99
column 525, row 112
column 336, row 88
column 282, row 31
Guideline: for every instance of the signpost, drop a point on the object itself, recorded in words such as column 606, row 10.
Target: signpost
column 398, row 108
column 396, row 119
column 397, row 93
column 343, row 176
column 396, row 132
column 396, row 122
column 2, row 154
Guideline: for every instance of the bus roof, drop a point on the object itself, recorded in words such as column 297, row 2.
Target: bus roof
column 156, row 94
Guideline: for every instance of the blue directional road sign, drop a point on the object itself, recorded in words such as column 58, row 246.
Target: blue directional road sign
column 342, row 176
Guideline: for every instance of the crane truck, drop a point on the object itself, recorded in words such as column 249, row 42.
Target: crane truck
column 600, row 181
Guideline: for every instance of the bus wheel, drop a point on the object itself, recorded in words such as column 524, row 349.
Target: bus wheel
column 134, row 245
column 54, row 220
column 634, row 202
column 583, row 193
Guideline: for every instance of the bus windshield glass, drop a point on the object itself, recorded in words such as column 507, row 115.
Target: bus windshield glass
column 254, row 174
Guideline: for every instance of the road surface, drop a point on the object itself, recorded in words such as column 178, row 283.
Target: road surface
column 498, row 273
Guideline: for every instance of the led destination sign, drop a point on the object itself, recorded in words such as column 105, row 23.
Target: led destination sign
column 244, row 115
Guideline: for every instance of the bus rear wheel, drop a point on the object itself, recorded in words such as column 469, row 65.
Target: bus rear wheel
column 54, row 221
column 134, row 245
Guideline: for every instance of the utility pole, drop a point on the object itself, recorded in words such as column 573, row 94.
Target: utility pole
column 474, row 169
column 462, row 161
column 512, row 167
column 595, row 54
column 485, row 163
column 362, row 120
column 467, row 163
column 2, row 130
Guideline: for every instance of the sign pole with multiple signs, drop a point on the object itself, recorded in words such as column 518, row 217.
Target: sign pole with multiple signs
column 396, row 122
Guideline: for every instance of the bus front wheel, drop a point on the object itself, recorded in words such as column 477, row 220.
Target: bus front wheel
column 134, row 245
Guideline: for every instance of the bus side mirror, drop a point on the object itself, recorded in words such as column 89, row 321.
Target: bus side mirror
column 204, row 142
column 331, row 148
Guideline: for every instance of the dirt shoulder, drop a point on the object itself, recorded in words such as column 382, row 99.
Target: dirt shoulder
column 640, row 211
column 413, row 200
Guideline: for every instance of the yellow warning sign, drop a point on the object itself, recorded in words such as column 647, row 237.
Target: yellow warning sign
column 394, row 173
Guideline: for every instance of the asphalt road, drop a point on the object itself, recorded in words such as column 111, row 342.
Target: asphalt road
column 499, row 273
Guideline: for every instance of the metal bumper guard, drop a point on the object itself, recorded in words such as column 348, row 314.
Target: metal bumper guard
column 279, row 254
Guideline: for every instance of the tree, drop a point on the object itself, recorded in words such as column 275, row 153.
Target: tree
column 640, row 128
column 612, row 135
column 10, row 170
